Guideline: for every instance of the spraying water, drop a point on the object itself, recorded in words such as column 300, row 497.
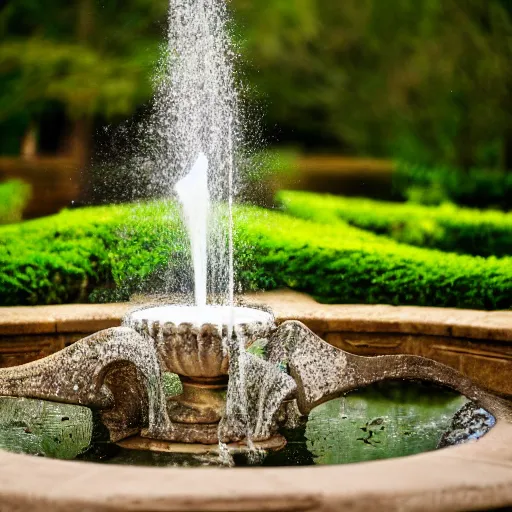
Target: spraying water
column 196, row 120
column 193, row 193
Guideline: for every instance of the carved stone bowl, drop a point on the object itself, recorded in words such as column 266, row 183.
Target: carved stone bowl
column 193, row 343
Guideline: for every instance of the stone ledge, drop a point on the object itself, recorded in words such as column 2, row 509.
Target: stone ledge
column 88, row 318
column 68, row 318
column 476, row 343
column 472, row 476
column 475, row 476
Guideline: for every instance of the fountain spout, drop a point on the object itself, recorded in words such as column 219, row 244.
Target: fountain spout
column 194, row 196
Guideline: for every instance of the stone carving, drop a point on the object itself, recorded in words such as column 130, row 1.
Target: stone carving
column 115, row 370
column 323, row 372
column 284, row 375
column 197, row 352
column 203, row 356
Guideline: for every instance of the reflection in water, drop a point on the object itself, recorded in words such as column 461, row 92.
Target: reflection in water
column 392, row 419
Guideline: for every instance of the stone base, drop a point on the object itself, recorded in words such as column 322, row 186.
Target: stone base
column 186, row 433
column 275, row 443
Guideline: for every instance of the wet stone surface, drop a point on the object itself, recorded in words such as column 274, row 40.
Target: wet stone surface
column 469, row 424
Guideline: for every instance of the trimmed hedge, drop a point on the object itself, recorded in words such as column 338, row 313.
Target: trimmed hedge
column 475, row 188
column 447, row 228
column 14, row 196
column 65, row 257
column 120, row 250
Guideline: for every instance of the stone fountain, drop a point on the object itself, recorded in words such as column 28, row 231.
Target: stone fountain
column 242, row 377
column 119, row 373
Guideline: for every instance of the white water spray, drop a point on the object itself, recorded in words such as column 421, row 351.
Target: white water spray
column 197, row 112
column 193, row 193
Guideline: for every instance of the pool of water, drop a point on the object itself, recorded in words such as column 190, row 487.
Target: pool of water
column 392, row 419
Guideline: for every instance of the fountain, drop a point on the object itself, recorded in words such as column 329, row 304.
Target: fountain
column 241, row 377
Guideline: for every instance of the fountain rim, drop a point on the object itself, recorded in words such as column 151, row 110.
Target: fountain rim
column 478, row 473
column 266, row 316
column 451, row 478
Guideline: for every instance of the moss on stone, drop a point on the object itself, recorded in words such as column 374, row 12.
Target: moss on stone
column 38, row 427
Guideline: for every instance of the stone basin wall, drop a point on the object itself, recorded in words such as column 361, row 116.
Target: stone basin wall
column 476, row 343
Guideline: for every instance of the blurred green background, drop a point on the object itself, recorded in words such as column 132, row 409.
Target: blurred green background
column 403, row 103
column 426, row 82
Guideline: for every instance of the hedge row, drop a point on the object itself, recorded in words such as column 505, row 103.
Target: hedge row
column 116, row 251
column 475, row 188
column 447, row 228
column 14, row 196
column 66, row 257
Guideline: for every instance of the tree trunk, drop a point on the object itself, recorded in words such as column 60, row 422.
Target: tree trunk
column 78, row 148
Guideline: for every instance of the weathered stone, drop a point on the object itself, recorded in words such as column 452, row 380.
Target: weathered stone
column 199, row 403
column 187, row 433
column 470, row 423
column 256, row 392
column 115, row 370
column 139, row 443
column 202, row 356
column 323, row 372
column 197, row 352
column 44, row 428
column 476, row 343
column 120, row 372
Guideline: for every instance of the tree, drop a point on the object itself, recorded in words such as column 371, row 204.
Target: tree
column 87, row 58
column 426, row 80
column 423, row 80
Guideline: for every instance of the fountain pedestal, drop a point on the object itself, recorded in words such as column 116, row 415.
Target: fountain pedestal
column 194, row 343
column 200, row 403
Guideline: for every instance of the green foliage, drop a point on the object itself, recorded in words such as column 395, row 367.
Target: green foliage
column 342, row 264
column 447, row 228
column 65, row 257
column 109, row 250
column 422, row 80
column 476, row 188
column 90, row 58
column 172, row 384
column 14, row 196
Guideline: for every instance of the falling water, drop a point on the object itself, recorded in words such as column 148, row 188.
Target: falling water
column 199, row 122
column 196, row 120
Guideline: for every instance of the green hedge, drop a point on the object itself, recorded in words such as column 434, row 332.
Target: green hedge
column 116, row 251
column 476, row 188
column 14, row 196
column 103, row 250
column 446, row 227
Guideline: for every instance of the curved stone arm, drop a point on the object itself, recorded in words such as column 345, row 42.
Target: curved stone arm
column 324, row 372
column 94, row 372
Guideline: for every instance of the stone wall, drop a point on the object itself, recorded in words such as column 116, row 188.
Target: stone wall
column 476, row 343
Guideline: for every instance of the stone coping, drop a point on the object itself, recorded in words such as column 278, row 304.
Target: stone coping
column 87, row 318
column 475, row 476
